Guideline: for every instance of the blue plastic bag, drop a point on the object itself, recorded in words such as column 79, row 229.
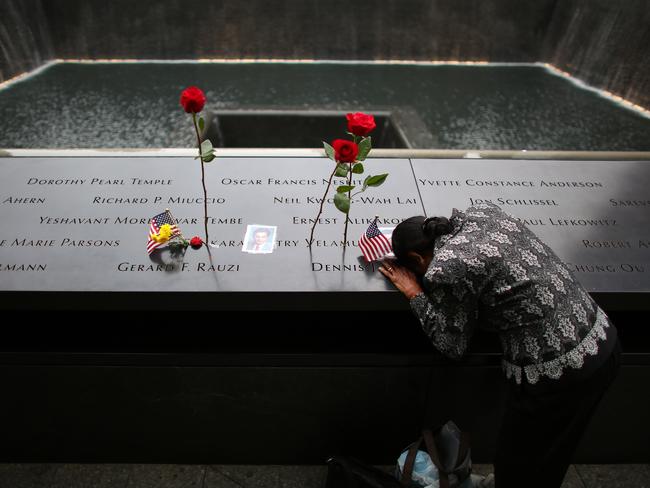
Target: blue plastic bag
column 451, row 454
column 425, row 473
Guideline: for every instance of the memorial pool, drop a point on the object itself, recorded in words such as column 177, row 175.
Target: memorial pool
column 135, row 105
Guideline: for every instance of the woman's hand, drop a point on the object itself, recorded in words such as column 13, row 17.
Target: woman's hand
column 403, row 279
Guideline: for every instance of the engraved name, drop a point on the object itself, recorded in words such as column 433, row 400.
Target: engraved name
column 614, row 244
column 606, row 268
column 144, row 200
column 512, row 183
column 629, row 203
column 515, row 201
column 23, row 201
column 65, row 242
column 342, row 267
column 22, row 267
column 144, row 268
column 99, row 181
column 583, row 222
column 369, row 200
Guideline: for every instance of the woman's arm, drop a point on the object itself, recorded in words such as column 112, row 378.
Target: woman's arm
column 403, row 279
column 448, row 313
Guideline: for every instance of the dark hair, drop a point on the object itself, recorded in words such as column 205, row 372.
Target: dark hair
column 417, row 234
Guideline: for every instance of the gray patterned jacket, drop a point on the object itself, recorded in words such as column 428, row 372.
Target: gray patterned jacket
column 491, row 269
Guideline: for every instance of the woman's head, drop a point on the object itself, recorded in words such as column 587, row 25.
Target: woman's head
column 413, row 241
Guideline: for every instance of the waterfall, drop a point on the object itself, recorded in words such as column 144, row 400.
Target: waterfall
column 25, row 42
column 603, row 43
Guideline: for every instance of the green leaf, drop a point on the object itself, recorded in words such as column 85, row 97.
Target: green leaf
column 364, row 148
column 206, row 146
column 345, row 188
column 375, row 180
column 342, row 202
column 207, row 157
column 329, row 151
column 357, row 169
column 201, row 123
column 207, row 151
column 342, row 169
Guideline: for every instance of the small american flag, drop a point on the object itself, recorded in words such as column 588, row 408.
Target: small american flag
column 156, row 223
column 373, row 244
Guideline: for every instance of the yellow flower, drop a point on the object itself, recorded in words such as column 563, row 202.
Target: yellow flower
column 158, row 238
column 165, row 231
column 163, row 235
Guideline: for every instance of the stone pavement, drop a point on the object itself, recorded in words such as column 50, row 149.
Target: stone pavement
column 232, row 476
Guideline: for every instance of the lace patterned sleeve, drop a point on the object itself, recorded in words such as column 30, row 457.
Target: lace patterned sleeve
column 448, row 310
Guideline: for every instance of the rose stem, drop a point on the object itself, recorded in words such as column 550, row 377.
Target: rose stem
column 205, row 192
column 329, row 183
column 347, row 215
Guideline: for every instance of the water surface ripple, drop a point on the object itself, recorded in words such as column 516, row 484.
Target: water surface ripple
column 459, row 107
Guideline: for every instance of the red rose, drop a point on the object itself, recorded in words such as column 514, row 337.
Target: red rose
column 345, row 151
column 193, row 99
column 196, row 242
column 360, row 124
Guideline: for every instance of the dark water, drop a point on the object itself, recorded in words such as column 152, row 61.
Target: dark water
column 442, row 107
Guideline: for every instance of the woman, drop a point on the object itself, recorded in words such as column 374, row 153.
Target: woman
column 484, row 269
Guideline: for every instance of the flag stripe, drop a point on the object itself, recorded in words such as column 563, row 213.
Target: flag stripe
column 385, row 245
column 382, row 248
column 151, row 244
column 375, row 248
column 365, row 249
column 373, row 244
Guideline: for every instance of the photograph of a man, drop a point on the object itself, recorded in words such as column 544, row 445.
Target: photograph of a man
column 259, row 239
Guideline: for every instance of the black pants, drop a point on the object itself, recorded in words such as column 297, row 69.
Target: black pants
column 543, row 424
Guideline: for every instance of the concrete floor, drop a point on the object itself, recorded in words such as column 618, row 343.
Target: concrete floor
column 230, row 476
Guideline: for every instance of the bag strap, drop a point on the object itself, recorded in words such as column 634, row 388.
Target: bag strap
column 409, row 462
column 432, row 450
column 463, row 448
column 435, row 458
